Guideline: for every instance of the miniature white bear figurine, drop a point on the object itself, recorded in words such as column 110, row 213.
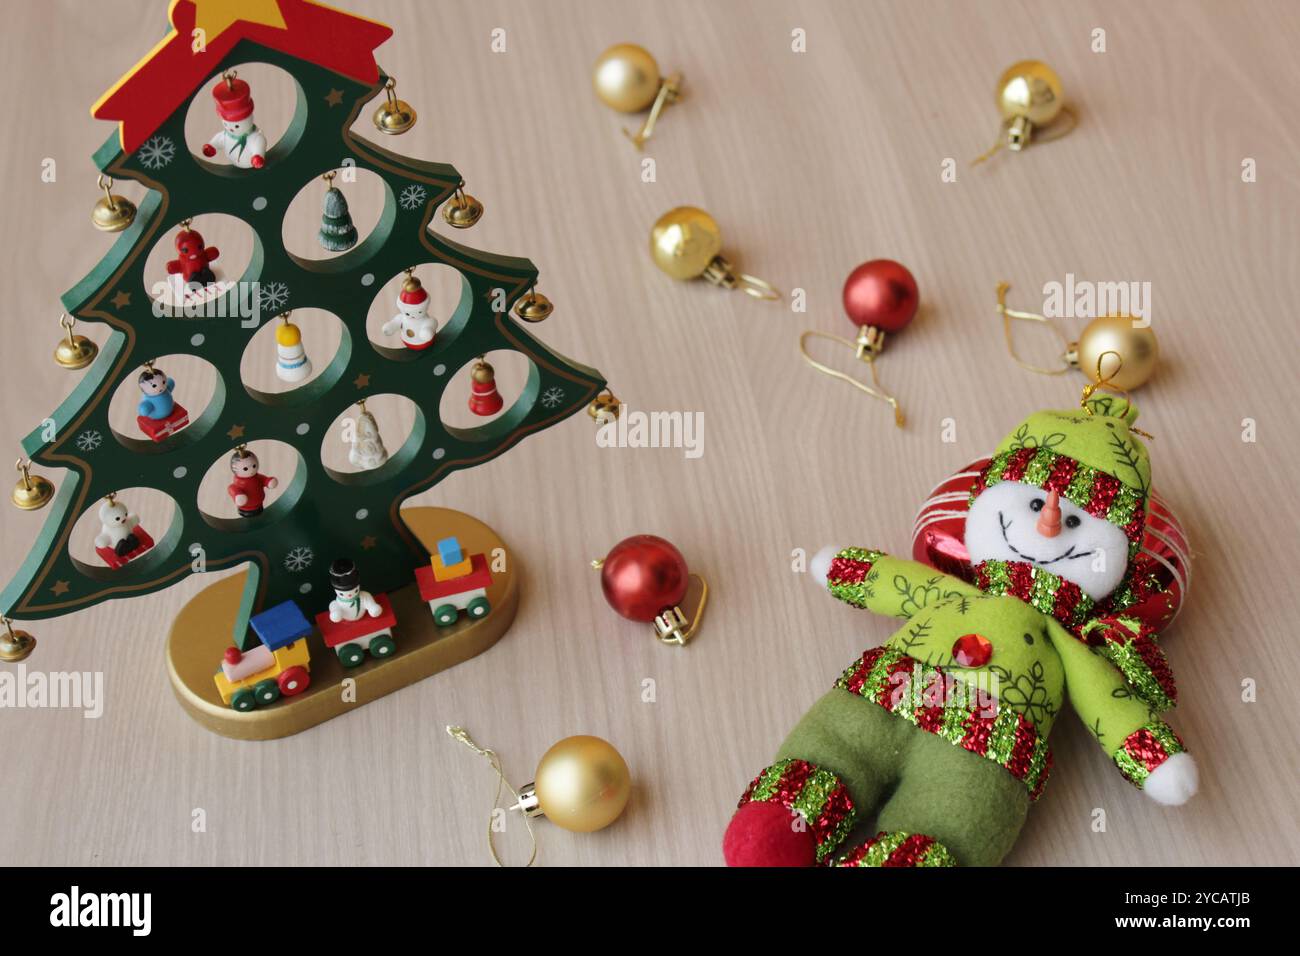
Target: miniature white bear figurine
column 412, row 316
column 350, row 603
column 240, row 139
column 116, row 528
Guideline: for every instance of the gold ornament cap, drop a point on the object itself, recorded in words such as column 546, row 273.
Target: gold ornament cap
column 483, row 373
column 582, row 784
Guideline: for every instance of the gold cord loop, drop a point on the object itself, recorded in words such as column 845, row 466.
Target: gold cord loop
column 1009, row 314
column 1054, row 131
column 462, row 735
column 670, row 91
column 875, row 390
column 756, row 287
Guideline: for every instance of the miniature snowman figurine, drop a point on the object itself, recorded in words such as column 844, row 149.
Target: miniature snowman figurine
column 248, row 488
column 367, row 449
column 291, row 361
column 240, row 139
column 350, row 602
column 156, row 389
column 412, row 316
column 117, row 528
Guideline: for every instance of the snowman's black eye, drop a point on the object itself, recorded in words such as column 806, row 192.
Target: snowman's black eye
column 1036, row 504
column 1073, row 521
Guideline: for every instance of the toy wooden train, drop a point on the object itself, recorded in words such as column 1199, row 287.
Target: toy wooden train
column 355, row 623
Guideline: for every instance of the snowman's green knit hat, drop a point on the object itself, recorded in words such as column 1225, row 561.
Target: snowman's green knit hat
column 1089, row 455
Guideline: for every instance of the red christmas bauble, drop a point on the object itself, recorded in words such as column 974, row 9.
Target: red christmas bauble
column 643, row 576
column 881, row 293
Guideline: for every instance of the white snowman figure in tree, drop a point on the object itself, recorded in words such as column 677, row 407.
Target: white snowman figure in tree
column 367, row 451
column 117, row 528
column 350, row 602
column 412, row 318
column 240, row 139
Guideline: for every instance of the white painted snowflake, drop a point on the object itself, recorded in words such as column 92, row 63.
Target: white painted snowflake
column 157, row 152
column 89, row 440
column 272, row 297
column 299, row 558
column 552, row 397
column 413, row 197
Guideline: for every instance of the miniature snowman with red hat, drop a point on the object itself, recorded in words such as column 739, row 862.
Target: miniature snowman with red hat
column 412, row 317
column 240, row 139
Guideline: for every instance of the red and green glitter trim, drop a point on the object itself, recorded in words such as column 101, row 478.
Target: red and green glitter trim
column 924, row 696
column 847, row 578
column 1129, row 645
column 1091, row 489
column 1041, row 589
column 899, row 849
column 1145, row 749
column 815, row 794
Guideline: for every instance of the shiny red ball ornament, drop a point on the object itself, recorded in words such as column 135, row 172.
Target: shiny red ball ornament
column 881, row 294
column 642, row 576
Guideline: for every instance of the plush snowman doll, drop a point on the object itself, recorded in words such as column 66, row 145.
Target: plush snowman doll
column 412, row 318
column 239, row 140
column 350, row 602
column 939, row 737
column 117, row 527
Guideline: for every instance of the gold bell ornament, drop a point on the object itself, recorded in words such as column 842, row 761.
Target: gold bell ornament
column 533, row 307
column 626, row 78
column 1029, row 96
column 686, row 243
column 462, row 210
column 395, row 116
column 112, row 213
column 582, row 784
column 32, row 491
column 1118, row 350
column 604, row 408
column 15, row 646
column 74, row 351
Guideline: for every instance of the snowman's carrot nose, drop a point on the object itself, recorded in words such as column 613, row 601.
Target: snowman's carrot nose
column 1049, row 519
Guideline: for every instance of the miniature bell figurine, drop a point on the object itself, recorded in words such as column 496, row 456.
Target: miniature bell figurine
column 112, row 213
column 533, row 307
column 74, row 351
column 15, row 645
column 626, row 78
column 686, row 243
column 395, row 116
column 484, row 398
column 31, row 492
column 412, row 319
column 291, row 361
column 604, row 408
column 462, row 210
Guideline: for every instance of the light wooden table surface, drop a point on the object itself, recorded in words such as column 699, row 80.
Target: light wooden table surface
column 812, row 162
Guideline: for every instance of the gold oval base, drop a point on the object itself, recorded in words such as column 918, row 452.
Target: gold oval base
column 201, row 633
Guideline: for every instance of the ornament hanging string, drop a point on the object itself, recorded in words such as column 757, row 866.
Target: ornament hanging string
column 1107, row 383
column 1009, row 314
column 462, row 735
column 1055, row 131
column 875, row 390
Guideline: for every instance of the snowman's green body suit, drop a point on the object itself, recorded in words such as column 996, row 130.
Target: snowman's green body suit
column 940, row 735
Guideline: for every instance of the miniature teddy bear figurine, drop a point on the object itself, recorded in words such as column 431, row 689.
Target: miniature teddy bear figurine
column 240, row 139
column 350, row 602
column 412, row 317
column 936, row 742
column 156, row 390
column 193, row 259
column 117, row 528
column 248, row 488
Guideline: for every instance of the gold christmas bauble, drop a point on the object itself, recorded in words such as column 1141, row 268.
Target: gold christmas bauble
column 684, row 241
column 582, row 784
column 626, row 77
column 1135, row 346
column 1032, row 90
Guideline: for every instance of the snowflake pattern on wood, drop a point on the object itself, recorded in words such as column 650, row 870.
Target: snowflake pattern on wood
column 413, row 197
column 157, row 152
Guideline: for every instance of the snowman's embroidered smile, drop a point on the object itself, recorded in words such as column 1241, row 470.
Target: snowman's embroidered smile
column 1068, row 553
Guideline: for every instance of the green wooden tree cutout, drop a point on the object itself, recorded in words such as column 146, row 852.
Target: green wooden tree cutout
column 321, row 513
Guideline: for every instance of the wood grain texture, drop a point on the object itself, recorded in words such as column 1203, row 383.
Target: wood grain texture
column 812, row 163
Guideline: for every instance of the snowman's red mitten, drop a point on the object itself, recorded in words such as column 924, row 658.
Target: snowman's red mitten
column 209, row 150
column 257, row 162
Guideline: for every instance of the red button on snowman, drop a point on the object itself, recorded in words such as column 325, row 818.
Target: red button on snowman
column 412, row 317
column 240, row 139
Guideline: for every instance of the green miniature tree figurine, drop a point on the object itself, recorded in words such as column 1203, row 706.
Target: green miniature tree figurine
column 318, row 514
column 337, row 232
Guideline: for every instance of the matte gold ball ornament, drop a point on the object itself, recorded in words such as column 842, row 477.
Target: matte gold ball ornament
column 74, row 351
column 626, row 78
column 1029, row 97
column 1119, row 351
column 686, row 243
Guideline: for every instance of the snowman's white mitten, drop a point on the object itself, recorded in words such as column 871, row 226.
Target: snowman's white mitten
column 819, row 568
column 1174, row 782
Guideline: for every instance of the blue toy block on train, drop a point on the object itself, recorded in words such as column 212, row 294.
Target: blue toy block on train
column 449, row 551
column 280, row 625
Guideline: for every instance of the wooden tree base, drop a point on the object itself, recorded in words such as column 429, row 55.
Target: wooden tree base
column 201, row 633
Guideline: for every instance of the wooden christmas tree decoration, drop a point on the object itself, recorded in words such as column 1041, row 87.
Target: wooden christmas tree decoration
column 318, row 515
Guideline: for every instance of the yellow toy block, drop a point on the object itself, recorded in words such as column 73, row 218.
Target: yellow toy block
column 448, row 572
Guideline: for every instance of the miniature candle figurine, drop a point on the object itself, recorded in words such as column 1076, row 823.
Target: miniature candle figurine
column 248, row 488
column 240, row 139
column 291, row 361
column 350, row 602
column 412, row 317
